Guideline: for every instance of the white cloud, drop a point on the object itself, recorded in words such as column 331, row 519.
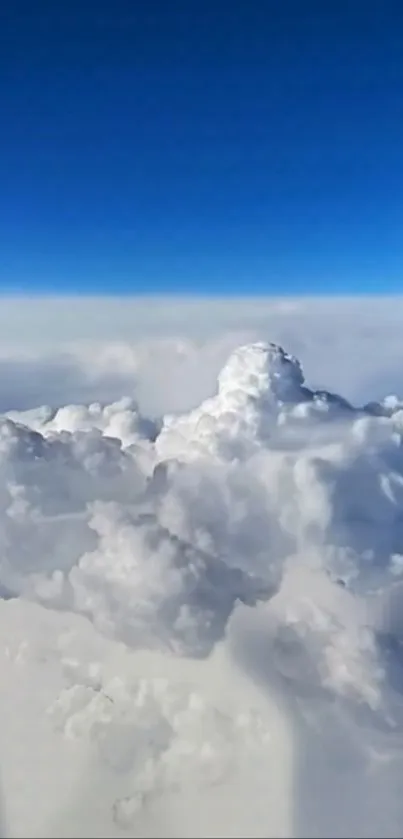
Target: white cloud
column 197, row 608
column 168, row 353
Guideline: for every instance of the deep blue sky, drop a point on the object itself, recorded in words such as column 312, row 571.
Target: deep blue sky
column 230, row 147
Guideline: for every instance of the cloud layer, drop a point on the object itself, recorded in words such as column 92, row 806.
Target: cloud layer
column 260, row 534
column 169, row 352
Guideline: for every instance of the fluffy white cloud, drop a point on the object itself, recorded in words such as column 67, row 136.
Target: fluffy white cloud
column 197, row 606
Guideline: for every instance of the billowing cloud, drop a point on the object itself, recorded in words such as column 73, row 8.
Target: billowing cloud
column 259, row 535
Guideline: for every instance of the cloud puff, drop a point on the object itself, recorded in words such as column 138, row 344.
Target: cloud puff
column 271, row 515
column 163, row 531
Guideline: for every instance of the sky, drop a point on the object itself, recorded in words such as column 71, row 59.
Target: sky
column 204, row 147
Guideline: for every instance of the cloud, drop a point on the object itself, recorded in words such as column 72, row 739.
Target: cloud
column 205, row 600
column 168, row 353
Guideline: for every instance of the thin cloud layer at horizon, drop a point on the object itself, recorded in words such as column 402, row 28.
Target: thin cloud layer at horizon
column 168, row 351
column 201, row 578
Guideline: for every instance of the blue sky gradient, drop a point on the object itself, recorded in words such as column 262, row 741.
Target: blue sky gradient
column 201, row 147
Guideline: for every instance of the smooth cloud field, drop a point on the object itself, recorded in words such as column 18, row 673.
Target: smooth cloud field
column 201, row 577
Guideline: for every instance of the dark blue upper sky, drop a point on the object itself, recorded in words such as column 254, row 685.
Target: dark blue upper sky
column 229, row 147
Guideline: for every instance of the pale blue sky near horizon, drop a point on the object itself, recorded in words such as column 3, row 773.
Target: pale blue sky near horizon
column 201, row 148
